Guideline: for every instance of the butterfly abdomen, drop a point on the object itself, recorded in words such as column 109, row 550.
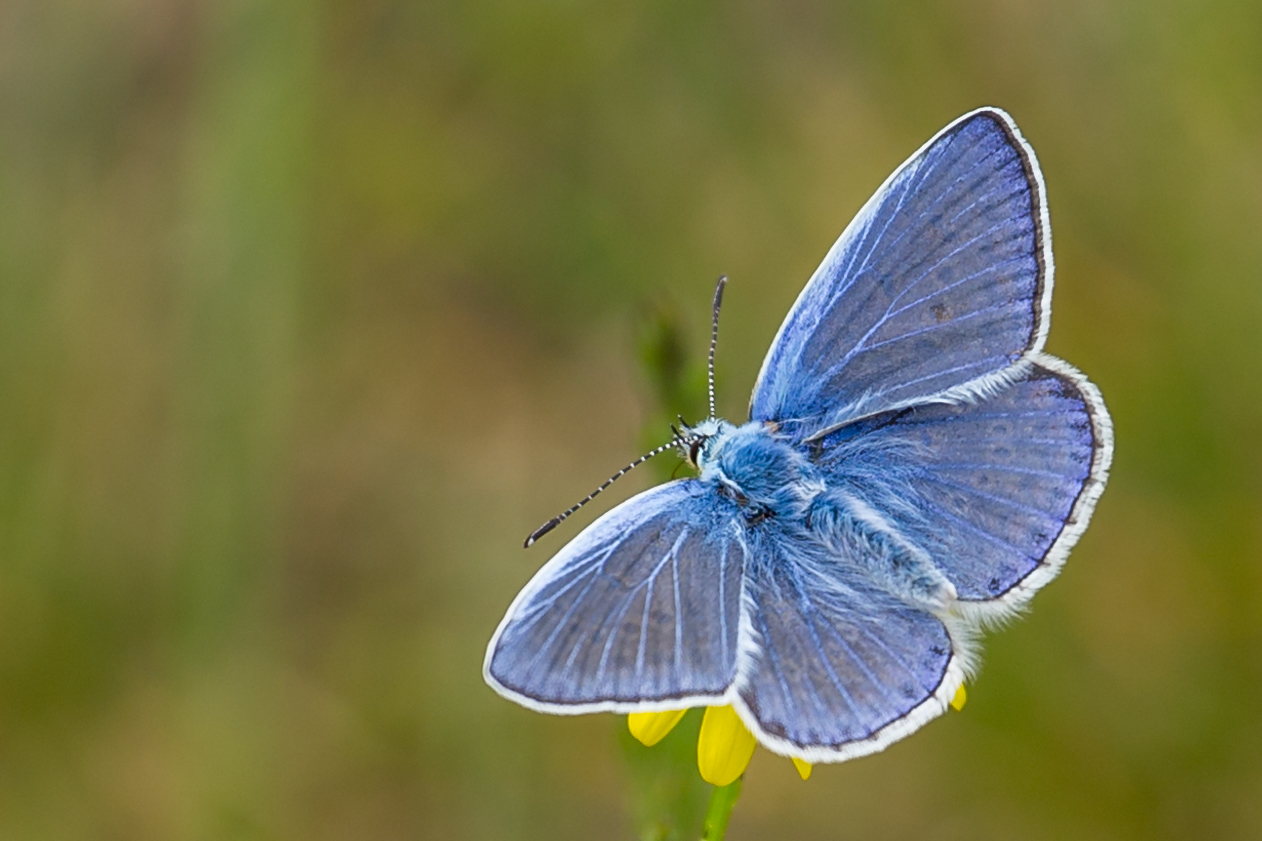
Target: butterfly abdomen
column 851, row 528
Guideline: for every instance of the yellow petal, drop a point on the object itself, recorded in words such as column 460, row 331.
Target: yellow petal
column 651, row 728
column 804, row 768
column 961, row 697
column 724, row 747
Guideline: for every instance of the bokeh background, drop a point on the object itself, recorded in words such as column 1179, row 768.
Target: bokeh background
column 310, row 311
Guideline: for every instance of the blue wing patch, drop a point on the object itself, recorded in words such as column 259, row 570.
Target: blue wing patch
column 939, row 285
column 643, row 606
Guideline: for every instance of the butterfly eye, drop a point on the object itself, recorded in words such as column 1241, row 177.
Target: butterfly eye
column 692, row 451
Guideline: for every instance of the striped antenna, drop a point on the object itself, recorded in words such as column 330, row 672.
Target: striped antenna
column 714, row 335
column 560, row 518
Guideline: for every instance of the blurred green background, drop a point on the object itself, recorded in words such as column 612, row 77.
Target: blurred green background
column 310, row 311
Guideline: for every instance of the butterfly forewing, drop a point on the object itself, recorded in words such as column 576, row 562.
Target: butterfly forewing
column 643, row 606
column 939, row 284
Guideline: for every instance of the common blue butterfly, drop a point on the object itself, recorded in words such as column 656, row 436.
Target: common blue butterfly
column 914, row 468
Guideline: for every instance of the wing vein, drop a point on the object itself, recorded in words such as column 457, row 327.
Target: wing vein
column 930, row 329
column 1013, row 504
column 998, row 541
column 949, row 287
column 1023, row 471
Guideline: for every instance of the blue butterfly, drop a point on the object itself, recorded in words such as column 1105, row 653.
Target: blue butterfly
column 913, row 470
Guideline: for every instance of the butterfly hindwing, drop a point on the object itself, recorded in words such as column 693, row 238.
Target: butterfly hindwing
column 942, row 282
column 995, row 490
column 1010, row 482
column 642, row 608
column 841, row 668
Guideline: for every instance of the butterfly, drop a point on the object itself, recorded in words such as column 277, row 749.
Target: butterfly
column 914, row 468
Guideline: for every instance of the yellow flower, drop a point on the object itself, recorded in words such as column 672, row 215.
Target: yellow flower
column 651, row 728
column 724, row 747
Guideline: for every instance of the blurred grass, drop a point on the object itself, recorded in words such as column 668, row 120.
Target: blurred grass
column 309, row 312
column 666, row 796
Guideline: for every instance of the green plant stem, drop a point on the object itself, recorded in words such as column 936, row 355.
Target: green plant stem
column 722, row 799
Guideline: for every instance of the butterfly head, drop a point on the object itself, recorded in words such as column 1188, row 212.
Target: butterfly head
column 695, row 443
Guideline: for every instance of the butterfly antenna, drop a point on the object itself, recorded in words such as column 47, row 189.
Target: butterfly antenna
column 560, row 518
column 714, row 334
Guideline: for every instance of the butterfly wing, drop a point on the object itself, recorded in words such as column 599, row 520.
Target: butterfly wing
column 841, row 668
column 1001, row 487
column 641, row 609
column 939, row 286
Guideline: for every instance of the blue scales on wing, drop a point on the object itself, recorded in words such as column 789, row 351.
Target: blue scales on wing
column 937, row 285
column 643, row 606
column 840, row 662
column 1001, row 486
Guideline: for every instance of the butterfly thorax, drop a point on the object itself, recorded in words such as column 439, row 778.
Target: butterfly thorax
column 757, row 468
column 768, row 478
